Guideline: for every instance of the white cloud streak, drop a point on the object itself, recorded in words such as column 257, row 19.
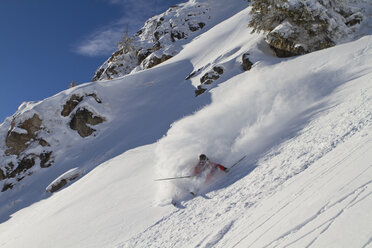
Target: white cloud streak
column 102, row 42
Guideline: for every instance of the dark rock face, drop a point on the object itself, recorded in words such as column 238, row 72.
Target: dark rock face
column 285, row 46
column 196, row 27
column 58, row 186
column 354, row 19
column 284, row 53
column 74, row 100
column 177, row 35
column 25, row 164
column 22, row 167
column 2, row 175
column 63, row 180
column 71, row 104
column 155, row 60
column 200, row 90
column 284, row 41
column 142, row 55
column 45, row 159
column 7, row 186
column 18, row 142
column 112, row 70
column 98, row 74
column 81, row 119
column 212, row 75
column 246, row 63
column 208, row 77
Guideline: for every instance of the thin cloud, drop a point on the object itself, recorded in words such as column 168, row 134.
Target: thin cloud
column 103, row 41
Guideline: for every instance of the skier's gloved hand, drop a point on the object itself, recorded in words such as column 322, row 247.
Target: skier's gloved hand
column 227, row 170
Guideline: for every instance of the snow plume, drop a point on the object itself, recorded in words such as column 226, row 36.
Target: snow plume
column 234, row 125
column 249, row 114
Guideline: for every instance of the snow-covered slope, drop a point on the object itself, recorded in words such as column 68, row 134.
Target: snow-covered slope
column 304, row 125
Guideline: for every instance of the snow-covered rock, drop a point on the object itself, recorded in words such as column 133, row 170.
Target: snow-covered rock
column 34, row 134
column 64, row 179
column 297, row 27
column 163, row 36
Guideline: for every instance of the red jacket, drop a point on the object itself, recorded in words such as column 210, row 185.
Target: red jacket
column 199, row 168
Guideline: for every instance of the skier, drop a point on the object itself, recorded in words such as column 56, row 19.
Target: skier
column 206, row 166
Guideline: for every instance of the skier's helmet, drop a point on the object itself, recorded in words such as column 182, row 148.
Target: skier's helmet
column 202, row 158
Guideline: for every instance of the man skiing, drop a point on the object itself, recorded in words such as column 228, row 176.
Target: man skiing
column 207, row 167
column 204, row 168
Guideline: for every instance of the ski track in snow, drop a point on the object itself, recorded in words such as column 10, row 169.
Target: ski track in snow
column 341, row 205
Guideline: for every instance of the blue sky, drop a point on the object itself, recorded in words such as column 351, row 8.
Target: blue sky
column 45, row 44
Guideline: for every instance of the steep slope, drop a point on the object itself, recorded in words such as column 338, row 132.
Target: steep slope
column 303, row 123
column 82, row 127
column 309, row 191
column 138, row 110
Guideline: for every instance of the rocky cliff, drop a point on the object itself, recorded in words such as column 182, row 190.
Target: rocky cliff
column 299, row 27
column 30, row 138
column 158, row 40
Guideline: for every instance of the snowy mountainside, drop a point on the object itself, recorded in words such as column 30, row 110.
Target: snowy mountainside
column 329, row 127
column 131, row 119
column 303, row 123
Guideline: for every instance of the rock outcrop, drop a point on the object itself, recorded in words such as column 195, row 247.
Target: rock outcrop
column 71, row 104
column 246, row 63
column 81, row 121
column 154, row 60
column 157, row 41
column 20, row 136
column 29, row 143
column 207, row 79
column 212, row 75
column 74, row 100
column 81, row 117
column 63, row 180
column 200, row 90
column 300, row 27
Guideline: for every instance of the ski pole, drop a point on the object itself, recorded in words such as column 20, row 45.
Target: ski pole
column 237, row 162
column 171, row 178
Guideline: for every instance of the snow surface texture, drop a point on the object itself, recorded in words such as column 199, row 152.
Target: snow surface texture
column 304, row 124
